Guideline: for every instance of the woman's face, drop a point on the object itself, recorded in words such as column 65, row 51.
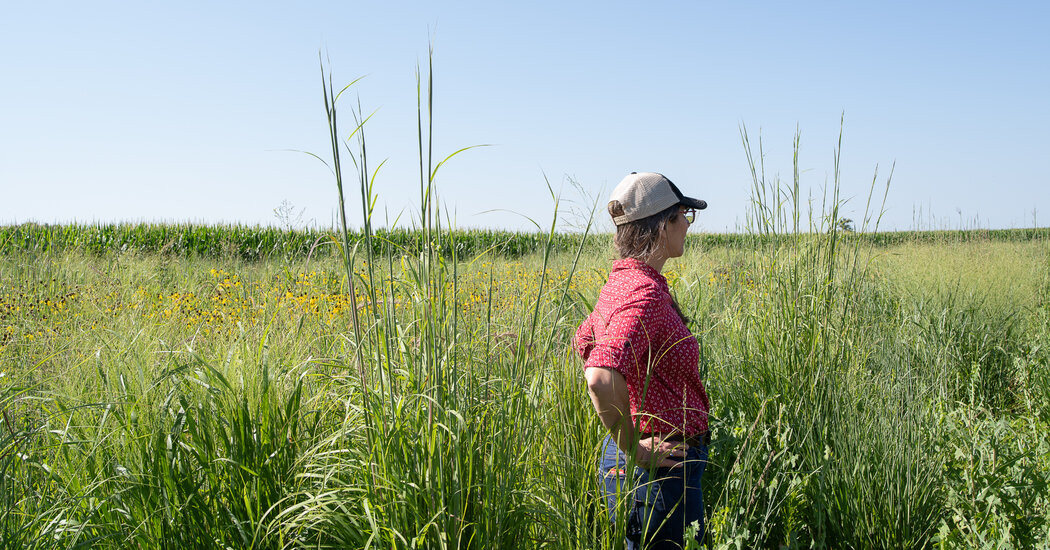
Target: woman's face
column 675, row 234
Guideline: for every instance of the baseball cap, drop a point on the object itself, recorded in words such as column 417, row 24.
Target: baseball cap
column 643, row 194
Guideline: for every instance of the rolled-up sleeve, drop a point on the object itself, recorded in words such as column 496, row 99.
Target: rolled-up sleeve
column 622, row 341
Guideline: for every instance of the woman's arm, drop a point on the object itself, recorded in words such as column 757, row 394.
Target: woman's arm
column 610, row 398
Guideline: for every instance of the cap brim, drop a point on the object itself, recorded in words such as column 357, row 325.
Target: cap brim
column 693, row 203
column 684, row 200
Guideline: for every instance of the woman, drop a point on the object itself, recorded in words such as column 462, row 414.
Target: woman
column 641, row 366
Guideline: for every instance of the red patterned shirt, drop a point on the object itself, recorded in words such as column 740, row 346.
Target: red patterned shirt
column 635, row 331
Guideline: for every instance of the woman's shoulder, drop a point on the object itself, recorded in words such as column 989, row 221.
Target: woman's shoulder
column 635, row 284
column 631, row 294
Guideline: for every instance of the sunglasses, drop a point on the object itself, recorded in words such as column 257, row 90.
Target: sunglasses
column 689, row 214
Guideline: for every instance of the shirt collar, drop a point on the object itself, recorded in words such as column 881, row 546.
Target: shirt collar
column 646, row 269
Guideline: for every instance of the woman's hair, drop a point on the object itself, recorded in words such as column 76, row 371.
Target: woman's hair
column 641, row 238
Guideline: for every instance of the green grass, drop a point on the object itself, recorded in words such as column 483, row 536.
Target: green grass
column 891, row 425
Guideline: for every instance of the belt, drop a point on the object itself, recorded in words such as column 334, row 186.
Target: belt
column 703, row 438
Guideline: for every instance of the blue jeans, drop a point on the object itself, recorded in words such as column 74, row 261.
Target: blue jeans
column 662, row 502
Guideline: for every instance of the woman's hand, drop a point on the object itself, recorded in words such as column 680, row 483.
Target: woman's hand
column 654, row 451
column 609, row 396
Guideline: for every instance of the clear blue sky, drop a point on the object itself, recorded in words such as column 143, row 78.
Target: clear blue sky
column 114, row 111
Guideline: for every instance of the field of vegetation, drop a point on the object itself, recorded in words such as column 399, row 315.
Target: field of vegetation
column 271, row 243
column 865, row 393
column 865, row 397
